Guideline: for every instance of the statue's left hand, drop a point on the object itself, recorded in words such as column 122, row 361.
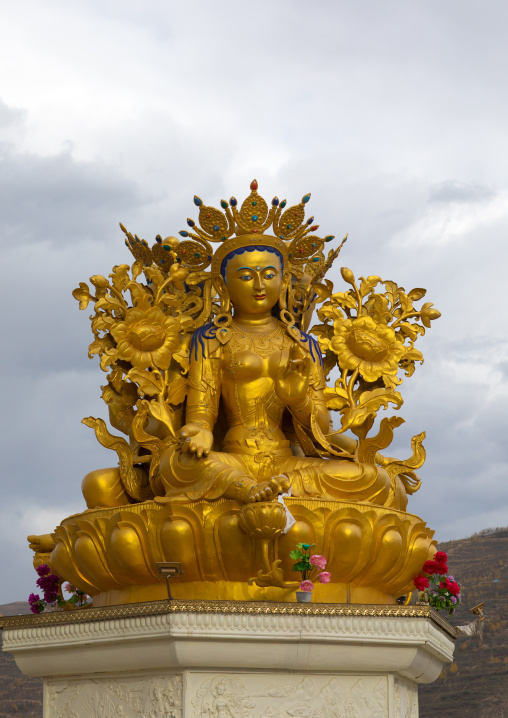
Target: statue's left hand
column 292, row 381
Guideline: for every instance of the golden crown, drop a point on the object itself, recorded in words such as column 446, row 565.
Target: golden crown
column 235, row 227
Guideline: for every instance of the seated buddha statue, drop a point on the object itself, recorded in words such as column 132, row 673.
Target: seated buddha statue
column 252, row 373
column 255, row 421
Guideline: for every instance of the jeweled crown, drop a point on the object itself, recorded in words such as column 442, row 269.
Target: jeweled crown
column 254, row 217
column 232, row 227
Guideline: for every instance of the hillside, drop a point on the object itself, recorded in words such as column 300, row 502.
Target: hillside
column 20, row 696
column 474, row 686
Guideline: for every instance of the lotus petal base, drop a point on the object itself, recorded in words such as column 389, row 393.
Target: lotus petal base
column 373, row 552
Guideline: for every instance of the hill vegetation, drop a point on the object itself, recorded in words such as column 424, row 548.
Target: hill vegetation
column 20, row 695
column 476, row 683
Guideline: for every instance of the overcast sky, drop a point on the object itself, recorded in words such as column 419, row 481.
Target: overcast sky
column 393, row 115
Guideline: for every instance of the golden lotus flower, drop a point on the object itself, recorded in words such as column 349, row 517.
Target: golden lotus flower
column 146, row 338
column 365, row 345
column 263, row 520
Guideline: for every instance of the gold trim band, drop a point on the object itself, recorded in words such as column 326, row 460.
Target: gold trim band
column 226, row 607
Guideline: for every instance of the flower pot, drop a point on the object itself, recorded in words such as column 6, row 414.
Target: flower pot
column 303, row 596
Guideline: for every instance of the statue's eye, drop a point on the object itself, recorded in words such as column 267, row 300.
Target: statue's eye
column 246, row 277
column 269, row 276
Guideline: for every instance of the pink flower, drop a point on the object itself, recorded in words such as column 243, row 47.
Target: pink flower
column 69, row 588
column 317, row 560
column 306, row 586
column 324, row 577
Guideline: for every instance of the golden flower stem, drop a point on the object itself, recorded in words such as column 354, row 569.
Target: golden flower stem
column 358, row 299
column 264, row 554
column 404, row 317
column 350, row 385
column 161, row 288
column 118, row 295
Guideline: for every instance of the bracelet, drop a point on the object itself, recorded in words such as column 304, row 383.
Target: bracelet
column 242, row 487
column 302, row 408
column 203, row 424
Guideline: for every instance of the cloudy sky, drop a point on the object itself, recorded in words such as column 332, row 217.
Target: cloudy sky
column 393, row 115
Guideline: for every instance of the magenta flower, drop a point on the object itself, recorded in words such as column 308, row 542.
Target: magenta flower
column 317, row 560
column 324, row 577
column 36, row 605
column 306, row 586
column 43, row 570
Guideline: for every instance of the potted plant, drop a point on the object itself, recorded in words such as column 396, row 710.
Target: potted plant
column 53, row 599
column 436, row 586
column 311, row 568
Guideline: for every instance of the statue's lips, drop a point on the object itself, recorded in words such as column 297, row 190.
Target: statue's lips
column 259, row 296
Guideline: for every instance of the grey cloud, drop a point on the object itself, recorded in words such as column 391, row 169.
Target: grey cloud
column 453, row 191
column 48, row 198
column 10, row 116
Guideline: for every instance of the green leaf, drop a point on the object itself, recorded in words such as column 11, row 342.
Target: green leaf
column 302, row 566
column 295, row 555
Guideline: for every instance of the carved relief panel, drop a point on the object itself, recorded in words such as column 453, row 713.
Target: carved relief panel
column 154, row 697
column 263, row 695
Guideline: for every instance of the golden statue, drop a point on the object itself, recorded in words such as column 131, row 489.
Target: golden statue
column 221, row 390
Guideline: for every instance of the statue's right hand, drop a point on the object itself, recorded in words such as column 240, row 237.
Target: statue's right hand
column 196, row 440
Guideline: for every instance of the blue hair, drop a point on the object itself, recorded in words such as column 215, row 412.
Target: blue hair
column 242, row 250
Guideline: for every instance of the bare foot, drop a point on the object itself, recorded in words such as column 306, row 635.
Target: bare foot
column 284, row 483
column 267, row 490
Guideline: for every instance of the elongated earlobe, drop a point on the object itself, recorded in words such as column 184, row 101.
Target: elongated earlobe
column 225, row 303
column 283, row 291
column 222, row 290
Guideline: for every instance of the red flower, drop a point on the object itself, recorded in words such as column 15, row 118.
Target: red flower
column 431, row 567
column 440, row 557
column 442, row 569
column 421, row 582
column 454, row 588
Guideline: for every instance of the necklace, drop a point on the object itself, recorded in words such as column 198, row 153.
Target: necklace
column 261, row 344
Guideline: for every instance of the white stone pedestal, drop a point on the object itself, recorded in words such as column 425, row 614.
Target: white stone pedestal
column 232, row 660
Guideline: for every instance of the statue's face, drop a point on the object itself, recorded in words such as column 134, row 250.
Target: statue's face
column 253, row 281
